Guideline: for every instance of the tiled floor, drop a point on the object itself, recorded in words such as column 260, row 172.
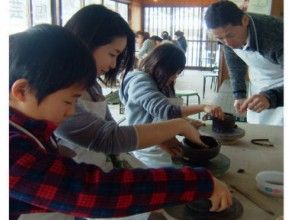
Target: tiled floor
column 193, row 80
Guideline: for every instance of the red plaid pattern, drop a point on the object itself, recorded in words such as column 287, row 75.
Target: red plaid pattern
column 158, row 198
column 46, row 192
column 44, row 181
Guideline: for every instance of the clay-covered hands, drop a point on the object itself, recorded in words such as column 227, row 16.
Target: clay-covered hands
column 190, row 132
column 237, row 104
column 256, row 103
column 173, row 147
column 221, row 197
column 214, row 111
column 195, row 123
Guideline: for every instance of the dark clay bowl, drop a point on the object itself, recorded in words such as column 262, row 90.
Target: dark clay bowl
column 201, row 206
column 200, row 210
column 195, row 153
column 224, row 126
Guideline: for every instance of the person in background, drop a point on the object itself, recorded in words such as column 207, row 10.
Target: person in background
column 141, row 36
column 244, row 6
column 149, row 96
column 156, row 39
column 145, row 44
column 166, row 38
column 49, row 69
column 181, row 40
column 252, row 43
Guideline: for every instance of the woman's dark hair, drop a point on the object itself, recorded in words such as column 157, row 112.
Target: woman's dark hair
column 96, row 26
column 163, row 62
column 50, row 58
column 223, row 13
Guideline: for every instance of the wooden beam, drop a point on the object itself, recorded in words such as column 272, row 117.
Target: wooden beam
column 135, row 15
column 123, row 1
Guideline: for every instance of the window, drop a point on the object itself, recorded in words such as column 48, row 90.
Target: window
column 110, row 4
column 25, row 13
column 41, row 11
column 18, row 16
column 122, row 9
column 68, row 8
column 91, row 2
column 190, row 20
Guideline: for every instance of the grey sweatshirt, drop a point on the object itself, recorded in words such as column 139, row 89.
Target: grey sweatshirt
column 269, row 32
column 143, row 101
column 147, row 47
column 87, row 129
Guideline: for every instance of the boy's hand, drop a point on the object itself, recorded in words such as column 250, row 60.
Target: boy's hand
column 221, row 198
column 214, row 111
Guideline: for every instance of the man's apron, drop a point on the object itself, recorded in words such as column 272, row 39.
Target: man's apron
column 263, row 75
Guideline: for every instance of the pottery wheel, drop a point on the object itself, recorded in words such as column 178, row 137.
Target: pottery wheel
column 218, row 165
column 183, row 212
column 207, row 130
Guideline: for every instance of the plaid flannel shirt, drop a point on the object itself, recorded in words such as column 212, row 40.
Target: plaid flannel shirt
column 44, row 181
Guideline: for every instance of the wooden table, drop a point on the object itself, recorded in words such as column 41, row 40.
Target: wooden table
column 252, row 159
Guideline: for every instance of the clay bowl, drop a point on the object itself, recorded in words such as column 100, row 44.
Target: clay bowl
column 200, row 210
column 224, row 126
column 198, row 154
column 201, row 206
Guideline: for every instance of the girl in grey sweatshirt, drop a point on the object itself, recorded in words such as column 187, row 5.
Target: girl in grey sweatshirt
column 149, row 96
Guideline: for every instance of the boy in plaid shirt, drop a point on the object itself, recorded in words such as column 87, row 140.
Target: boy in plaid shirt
column 49, row 69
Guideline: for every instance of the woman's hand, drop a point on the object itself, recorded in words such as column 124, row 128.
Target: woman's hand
column 191, row 133
column 214, row 111
column 195, row 123
column 221, row 197
column 173, row 147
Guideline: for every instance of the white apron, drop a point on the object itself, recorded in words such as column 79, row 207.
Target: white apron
column 97, row 108
column 83, row 155
column 263, row 75
column 40, row 216
column 155, row 157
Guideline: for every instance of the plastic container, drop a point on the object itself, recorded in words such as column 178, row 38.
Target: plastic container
column 271, row 182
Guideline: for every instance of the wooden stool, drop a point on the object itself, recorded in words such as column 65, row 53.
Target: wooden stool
column 187, row 94
column 214, row 80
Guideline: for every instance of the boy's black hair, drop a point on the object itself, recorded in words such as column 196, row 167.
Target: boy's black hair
column 163, row 62
column 223, row 13
column 50, row 58
column 96, row 26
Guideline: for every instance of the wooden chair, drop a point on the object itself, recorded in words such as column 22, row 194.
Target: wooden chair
column 187, row 94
